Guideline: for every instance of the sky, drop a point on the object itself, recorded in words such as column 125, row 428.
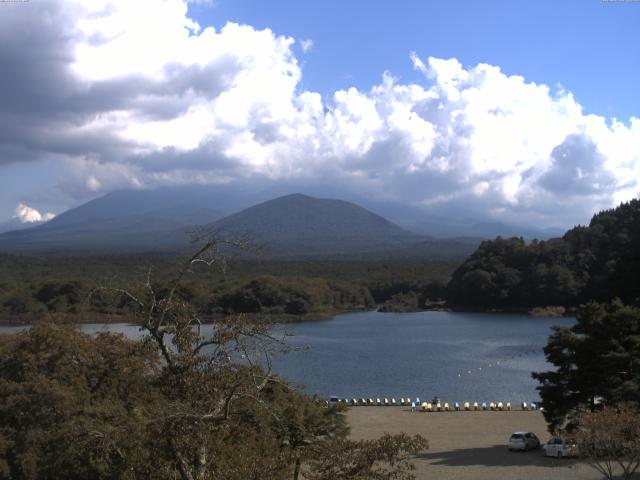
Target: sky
column 521, row 112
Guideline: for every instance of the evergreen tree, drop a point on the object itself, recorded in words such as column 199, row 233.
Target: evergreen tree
column 597, row 360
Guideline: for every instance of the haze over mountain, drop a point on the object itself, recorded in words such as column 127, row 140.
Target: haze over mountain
column 293, row 225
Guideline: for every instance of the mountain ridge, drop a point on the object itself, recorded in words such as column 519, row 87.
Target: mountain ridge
column 291, row 225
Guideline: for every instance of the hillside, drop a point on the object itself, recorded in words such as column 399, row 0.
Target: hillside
column 301, row 225
column 595, row 262
column 291, row 226
column 154, row 231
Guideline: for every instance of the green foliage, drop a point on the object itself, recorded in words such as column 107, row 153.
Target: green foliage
column 401, row 302
column 292, row 295
column 34, row 287
column 74, row 406
column 177, row 404
column 598, row 262
column 596, row 360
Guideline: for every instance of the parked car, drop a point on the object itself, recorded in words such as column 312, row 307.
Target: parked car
column 559, row 447
column 523, row 441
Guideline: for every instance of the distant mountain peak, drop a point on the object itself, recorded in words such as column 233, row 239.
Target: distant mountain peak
column 314, row 226
column 295, row 196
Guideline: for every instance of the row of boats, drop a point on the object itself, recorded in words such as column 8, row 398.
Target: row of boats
column 434, row 406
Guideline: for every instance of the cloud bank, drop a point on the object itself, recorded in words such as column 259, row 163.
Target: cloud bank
column 127, row 102
column 25, row 214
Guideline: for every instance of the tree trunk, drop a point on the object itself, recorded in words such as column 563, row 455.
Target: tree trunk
column 296, row 470
column 201, row 463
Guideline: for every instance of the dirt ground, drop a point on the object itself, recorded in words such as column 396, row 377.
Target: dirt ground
column 469, row 445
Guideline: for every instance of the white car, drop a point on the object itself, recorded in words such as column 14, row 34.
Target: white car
column 523, row 441
column 558, row 447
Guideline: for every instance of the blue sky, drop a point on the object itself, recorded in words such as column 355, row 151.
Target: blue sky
column 588, row 46
column 522, row 111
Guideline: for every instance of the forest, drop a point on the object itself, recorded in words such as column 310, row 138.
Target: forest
column 597, row 262
column 36, row 287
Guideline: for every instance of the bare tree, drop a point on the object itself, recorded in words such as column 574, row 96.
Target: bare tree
column 386, row 458
column 610, row 438
column 208, row 368
column 219, row 385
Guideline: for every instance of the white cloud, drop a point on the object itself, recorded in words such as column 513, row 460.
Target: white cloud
column 143, row 103
column 306, row 45
column 25, row 214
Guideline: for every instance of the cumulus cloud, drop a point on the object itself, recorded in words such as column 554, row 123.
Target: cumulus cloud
column 26, row 214
column 125, row 102
column 577, row 168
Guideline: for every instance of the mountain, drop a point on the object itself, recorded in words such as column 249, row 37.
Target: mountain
column 131, row 233
column 15, row 224
column 429, row 221
column 300, row 225
column 124, row 220
column 291, row 226
column 158, row 218
column 183, row 205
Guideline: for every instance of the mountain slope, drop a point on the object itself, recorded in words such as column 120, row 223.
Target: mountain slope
column 122, row 220
column 301, row 225
column 291, row 226
column 184, row 205
column 134, row 233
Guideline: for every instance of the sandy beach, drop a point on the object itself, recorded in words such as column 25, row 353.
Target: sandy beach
column 469, row 445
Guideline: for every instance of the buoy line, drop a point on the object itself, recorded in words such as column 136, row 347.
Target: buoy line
column 436, row 405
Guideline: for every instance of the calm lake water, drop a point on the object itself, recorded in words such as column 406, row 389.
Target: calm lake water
column 455, row 356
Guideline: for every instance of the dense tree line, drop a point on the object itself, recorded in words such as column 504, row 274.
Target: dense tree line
column 32, row 287
column 597, row 262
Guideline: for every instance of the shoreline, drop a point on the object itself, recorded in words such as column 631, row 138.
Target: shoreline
column 97, row 318
column 275, row 318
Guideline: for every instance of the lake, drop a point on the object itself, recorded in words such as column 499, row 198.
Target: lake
column 455, row 356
